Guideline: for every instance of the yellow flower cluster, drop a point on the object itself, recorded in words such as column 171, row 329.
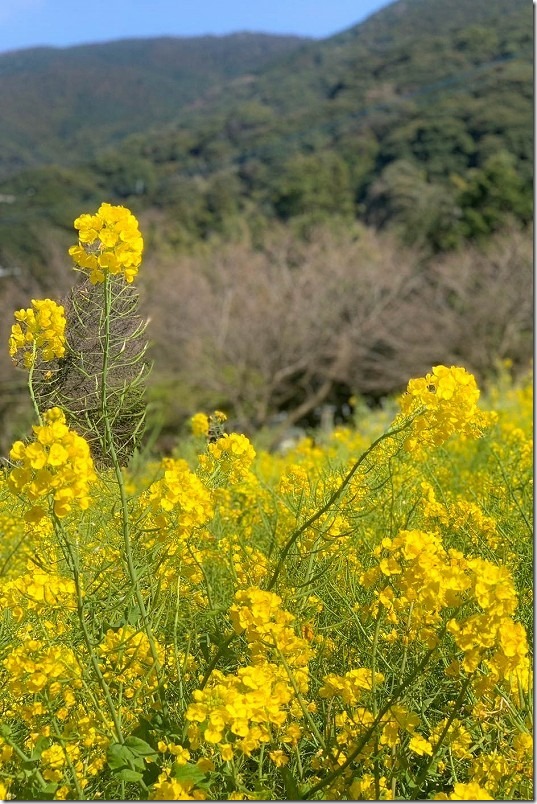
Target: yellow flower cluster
column 422, row 579
column 503, row 769
column 109, row 243
column 126, row 661
column 41, row 330
column 34, row 666
column 238, row 710
column 493, row 628
column 447, row 399
column 199, row 424
column 268, row 630
column 58, row 463
column 210, row 426
column 230, row 457
column 351, row 686
column 460, row 513
column 37, row 591
column 169, row 789
column 182, row 492
column 465, row 792
column 367, row 787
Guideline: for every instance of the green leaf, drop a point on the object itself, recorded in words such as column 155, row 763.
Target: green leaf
column 51, row 788
column 133, row 614
column 291, row 787
column 127, row 775
column 140, row 747
column 118, row 756
column 41, row 743
column 187, row 773
column 130, row 756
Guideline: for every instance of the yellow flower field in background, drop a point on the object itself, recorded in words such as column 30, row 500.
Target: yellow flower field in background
column 350, row 620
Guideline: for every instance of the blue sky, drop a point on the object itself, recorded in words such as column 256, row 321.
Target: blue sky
column 27, row 23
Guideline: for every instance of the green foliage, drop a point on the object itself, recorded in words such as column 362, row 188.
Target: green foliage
column 492, row 193
column 286, row 129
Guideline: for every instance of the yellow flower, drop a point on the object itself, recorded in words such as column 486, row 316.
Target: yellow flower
column 182, row 492
column 182, row 755
column 109, row 243
column 419, row 745
column 40, row 331
column 231, row 456
column 226, row 752
column 465, row 792
column 199, row 424
column 169, row 789
column 57, row 463
column 445, row 401
column 279, row 758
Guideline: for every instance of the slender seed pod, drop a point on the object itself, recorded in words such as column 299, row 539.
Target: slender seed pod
column 97, row 353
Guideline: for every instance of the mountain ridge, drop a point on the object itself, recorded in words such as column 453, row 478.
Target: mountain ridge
column 419, row 117
column 120, row 86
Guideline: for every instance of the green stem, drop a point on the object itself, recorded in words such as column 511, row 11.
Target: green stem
column 214, row 661
column 335, row 496
column 374, row 699
column 21, row 755
column 31, row 384
column 110, row 445
column 456, row 706
column 305, row 712
column 329, row 778
column 61, row 740
column 85, row 632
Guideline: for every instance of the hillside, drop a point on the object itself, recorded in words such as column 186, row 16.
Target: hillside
column 61, row 104
column 419, row 119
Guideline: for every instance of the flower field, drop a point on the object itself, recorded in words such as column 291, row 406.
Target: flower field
column 350, row 620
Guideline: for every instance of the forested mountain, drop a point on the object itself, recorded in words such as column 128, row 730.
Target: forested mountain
column 60, row 105
column 419, row 118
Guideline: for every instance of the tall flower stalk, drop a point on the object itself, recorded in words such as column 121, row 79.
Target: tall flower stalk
column 110, row 248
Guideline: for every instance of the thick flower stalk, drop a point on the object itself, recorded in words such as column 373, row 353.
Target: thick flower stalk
column 57, row 463
column 110, row 243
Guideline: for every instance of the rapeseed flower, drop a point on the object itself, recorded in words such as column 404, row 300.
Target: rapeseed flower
column 110, row 243
column 229, row 457
column 58, row 463
column 470, row 791
column 40, row 331
column 444, row 402
column 180, row 491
